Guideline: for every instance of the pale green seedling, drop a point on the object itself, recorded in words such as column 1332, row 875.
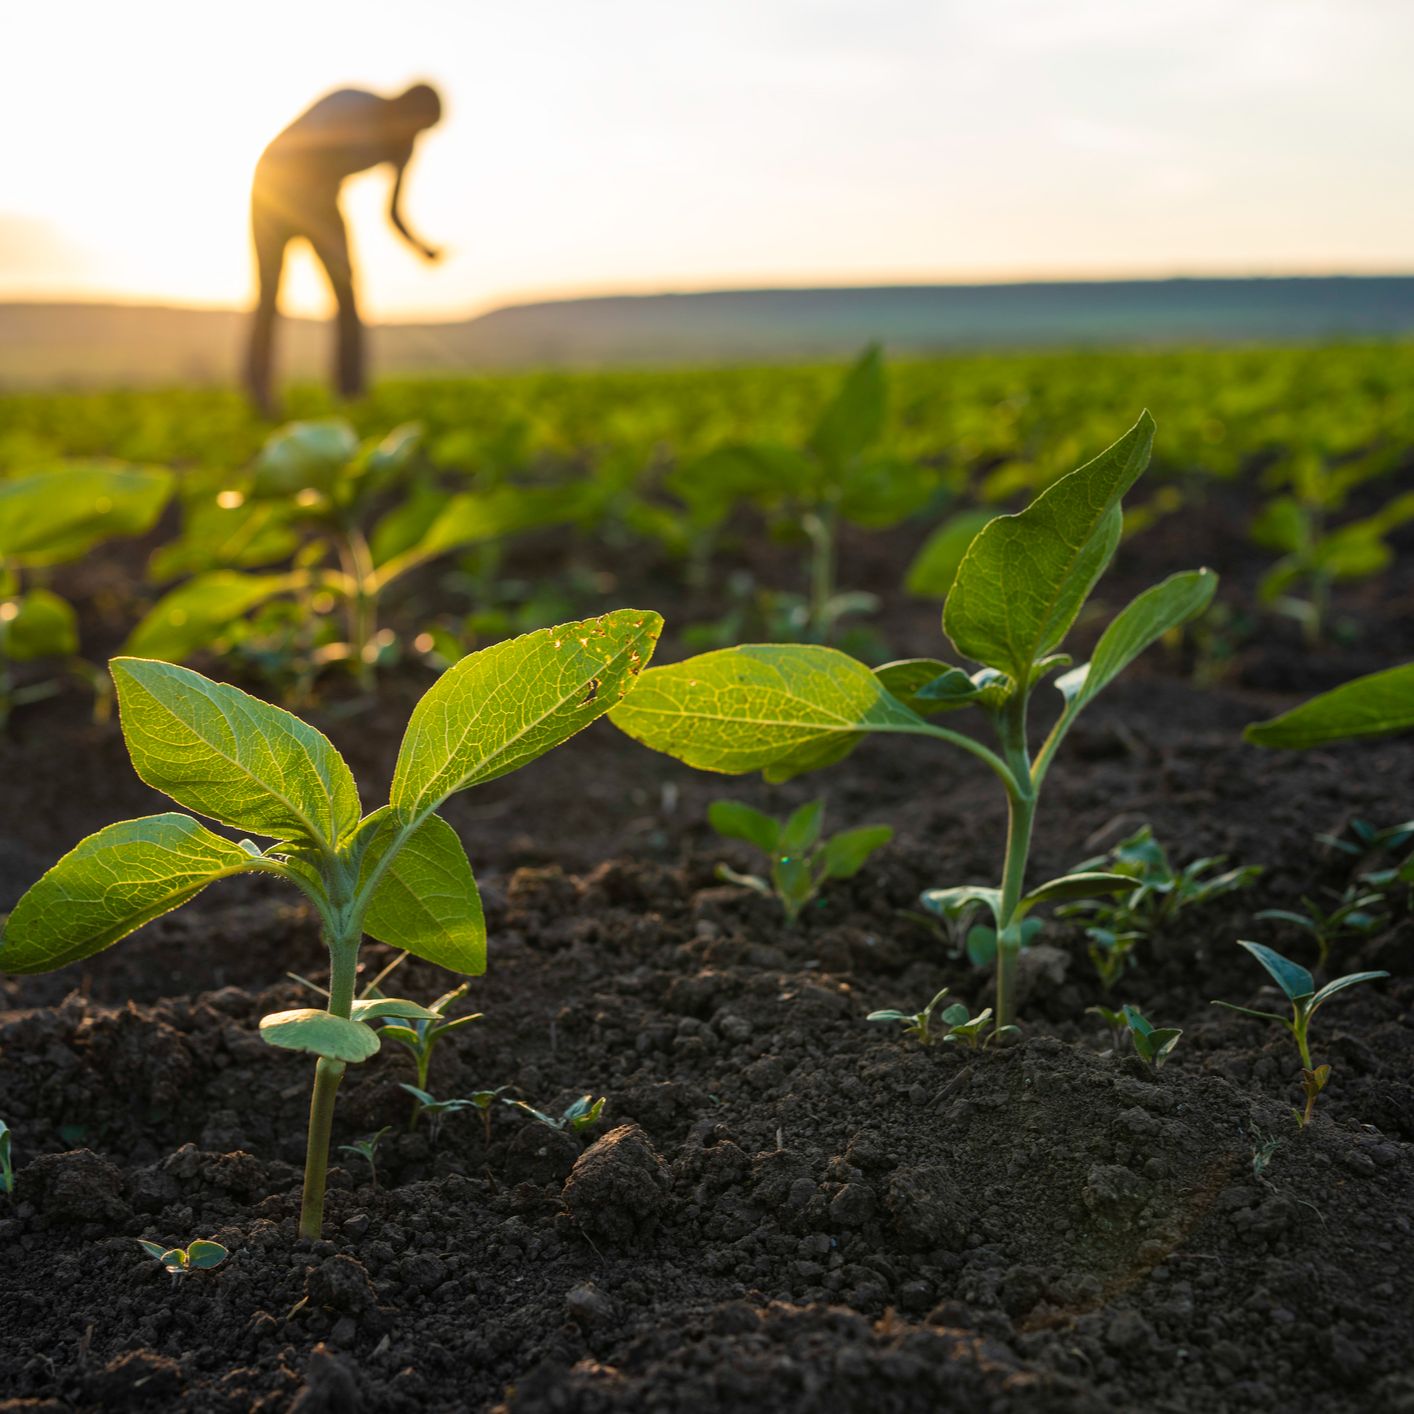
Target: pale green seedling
column 7, row 1168
column 367, row 1150
column 918, row 1023
column 179, row 1262
column 399, row 874
column 420, row 1036
column 802, row 862
column 785, row 709
column 583, row 1114
column 1299, row 988
column 1153, row 1044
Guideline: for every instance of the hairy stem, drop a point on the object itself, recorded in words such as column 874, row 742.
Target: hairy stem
column 820, row 527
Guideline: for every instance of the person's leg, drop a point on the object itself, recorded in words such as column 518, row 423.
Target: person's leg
column 330, row 240
column 270, row 237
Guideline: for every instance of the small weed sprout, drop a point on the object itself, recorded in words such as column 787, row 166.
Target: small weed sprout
column 583, row 1114
column 201, row 1256
column 1152, row 1044
column 801, row 861
column 419, row 1036
column 968, row 1030
column 7, row 1168
column 1263, row 1149
column 919, row 1023
column 436, row 1110
column 367, row 1150
column 1299, row 988
column 1358, row 913
column 1113, row 928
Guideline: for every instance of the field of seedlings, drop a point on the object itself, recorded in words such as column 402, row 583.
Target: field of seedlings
column 877, row 888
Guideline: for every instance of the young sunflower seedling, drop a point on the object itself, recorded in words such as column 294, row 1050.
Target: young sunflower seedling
column 785, row 709
column 399, row 874
column 801, row 861
column 7, row 1168
column 581, row 1115
column 1153, row 1045
column 436, row 1110
column 367, row 1150
column 201, row 1256
column 1299, row 988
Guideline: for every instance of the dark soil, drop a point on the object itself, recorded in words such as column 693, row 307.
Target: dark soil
column 784, row 1208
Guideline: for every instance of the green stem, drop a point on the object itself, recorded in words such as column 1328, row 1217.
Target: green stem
column 327, row 1075
column 1021, row 815
column 820, row 527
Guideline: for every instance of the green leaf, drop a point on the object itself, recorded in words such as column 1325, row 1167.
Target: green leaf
column 735, row 821
column 227, row 531
column 1369, row 706
column 304, row 455
column 927, row 685
column 782, row 708
column 1146, row 619
column 1290, row 976
column 854, row 419
column 1024, row 578
column 204, row 1254
column 1083, row 885
column 156, row 1250
column 803, row 828
column 61, row 513
column 956, row 1015
column 111, row 884
column 935, row 567
column 320, row 1034
column 500, row 708
column 426, row 900
column 1341, row 983
column 38, row 624
column 847, row 852
column 198, row 614
column 223, row 753
column 378, row 1007
column 952, row 903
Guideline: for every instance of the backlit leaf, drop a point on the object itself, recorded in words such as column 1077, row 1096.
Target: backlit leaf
column 759, row 706
column 735, row 821
column 1025, row 576
column 197, row 614
column 500, row 708
column 111, row 884
column 320, row 1034
column 223, row 753
column 59, row 514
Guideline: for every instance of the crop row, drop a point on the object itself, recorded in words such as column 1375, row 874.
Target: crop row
column 399, row 873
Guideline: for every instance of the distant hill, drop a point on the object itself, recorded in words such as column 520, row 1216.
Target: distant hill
column 62, row 344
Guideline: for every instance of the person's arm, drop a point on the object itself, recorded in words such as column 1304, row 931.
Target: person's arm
column 395, row 214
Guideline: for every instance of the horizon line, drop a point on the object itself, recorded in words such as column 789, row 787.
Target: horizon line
column 82, row 299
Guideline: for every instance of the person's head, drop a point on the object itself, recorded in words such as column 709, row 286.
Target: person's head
column 419, row 107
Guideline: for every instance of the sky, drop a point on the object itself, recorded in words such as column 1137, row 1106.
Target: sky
column 596, row 146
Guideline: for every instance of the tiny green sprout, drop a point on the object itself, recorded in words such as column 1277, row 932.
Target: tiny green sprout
column 1358, row 912
column 419, row 1036
column 436, row 1110
column 1113, row 1018
column 1299, row 988
column 484, row 1100
column 1263, row 1150
column 919, row 1023
column 398, row 873
column 367, row 1150
column 1153, row 1044
column 202, row 1255
column 7, row 1170
column 968, row 1030
column 581, row 1115
column 801, row 861
column 1113, row 928
column 1362, row 839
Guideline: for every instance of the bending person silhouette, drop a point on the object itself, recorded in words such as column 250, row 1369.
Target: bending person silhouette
column 296, row 194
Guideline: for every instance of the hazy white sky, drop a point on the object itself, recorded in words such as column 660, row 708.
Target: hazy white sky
column 596, row 145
